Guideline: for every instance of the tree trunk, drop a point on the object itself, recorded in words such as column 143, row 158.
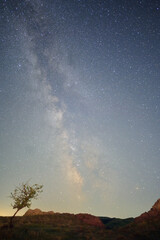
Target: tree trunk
column 11, row 219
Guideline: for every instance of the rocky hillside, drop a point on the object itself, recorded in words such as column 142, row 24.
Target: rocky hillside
column 82, row 217
column 154, row 212
column 39, row 225
column 90, row 219
column 37, row 211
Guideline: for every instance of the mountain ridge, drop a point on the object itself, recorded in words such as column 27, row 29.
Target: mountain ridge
column 83, row 217
column 154, row 212
column 82, row 226
column 37, row 211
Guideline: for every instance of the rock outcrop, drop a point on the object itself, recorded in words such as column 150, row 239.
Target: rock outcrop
column 37, row 211
column 152, row 213
column 90, row 219
column 81, row 217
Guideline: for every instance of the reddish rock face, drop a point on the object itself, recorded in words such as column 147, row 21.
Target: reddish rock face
column 83, row 217
column 156, row 206
column 153, row 212
column 37, row 211
column 90, row 219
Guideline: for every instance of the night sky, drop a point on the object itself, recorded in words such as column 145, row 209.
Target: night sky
column 80, row 104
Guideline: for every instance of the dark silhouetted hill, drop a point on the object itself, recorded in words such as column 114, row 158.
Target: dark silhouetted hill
column 111, row 223
column 39, row 225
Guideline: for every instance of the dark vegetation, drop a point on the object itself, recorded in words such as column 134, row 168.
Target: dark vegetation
column 111, row 223
column 68, row 226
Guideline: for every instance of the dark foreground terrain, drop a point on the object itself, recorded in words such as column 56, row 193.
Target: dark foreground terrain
column 83, row 226
column 47, row 227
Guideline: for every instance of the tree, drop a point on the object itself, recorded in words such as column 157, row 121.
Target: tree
column 22, row 197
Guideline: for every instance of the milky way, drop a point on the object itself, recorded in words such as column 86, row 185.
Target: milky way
column 80, row 104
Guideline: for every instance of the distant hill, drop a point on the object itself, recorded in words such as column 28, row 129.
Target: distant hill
column 82, row 217
column 37, row 211
column 109, row 223
column 112, row 223
column 39, row 225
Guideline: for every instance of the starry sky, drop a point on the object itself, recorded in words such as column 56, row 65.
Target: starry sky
column 80, row 104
